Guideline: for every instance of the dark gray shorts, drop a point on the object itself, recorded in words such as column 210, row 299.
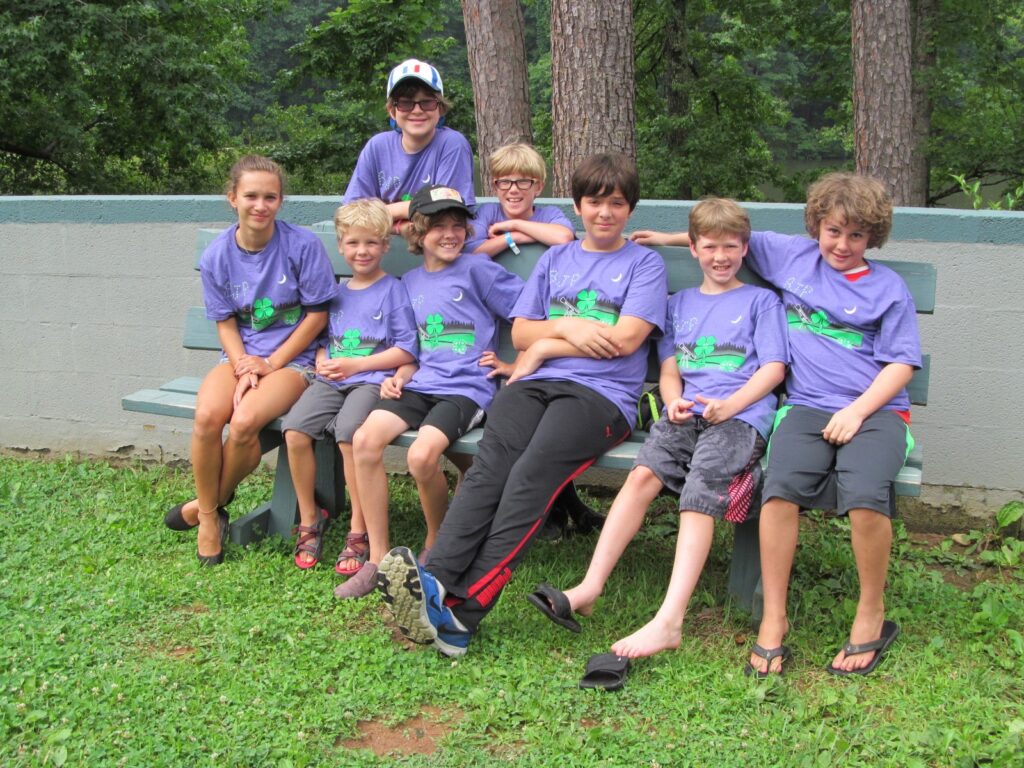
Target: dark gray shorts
column 454, row 415
column 324, row 410
column 714, row 468
column 806, row 469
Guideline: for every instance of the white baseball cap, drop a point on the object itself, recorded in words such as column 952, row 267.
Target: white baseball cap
column 415, row 69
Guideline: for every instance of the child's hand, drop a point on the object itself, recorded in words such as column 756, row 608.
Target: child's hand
column 499, row 228
column 590, row 337
column 678, row 410
column 244, row 384
column 252, row 364
column 841, row 428
column 391, row 388
column 716, row 411
column 527, row 362
column 501, row 368
column 338, row 368
column 649, row 237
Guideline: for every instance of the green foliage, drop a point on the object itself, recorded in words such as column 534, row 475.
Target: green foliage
column 118, row 97
column 341, row 68
column 730, row 95
column 977, row 110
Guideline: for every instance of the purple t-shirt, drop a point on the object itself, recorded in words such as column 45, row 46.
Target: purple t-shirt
column 841, row 333
column 366, row 321
column 491, row 213
column 570, row 281
column 389, row 173
column 720, row 340
column 457, row 312
column 269, row 292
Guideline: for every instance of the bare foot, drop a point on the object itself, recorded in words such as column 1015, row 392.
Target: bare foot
column 656, row 635
column 866, row 628
column 351, row 558
column 581, row 601
column 769, row 635
column 190, row 512
column 208, row 536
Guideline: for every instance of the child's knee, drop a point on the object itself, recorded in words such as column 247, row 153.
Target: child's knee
column 296, row 440
column 244, row 425
column 368, row 445
column 642, row 480
column 424, row 460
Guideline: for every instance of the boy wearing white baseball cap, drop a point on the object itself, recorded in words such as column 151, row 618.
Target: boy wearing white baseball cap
column 420, row 151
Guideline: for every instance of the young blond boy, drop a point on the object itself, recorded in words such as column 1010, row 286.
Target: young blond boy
column 518, row 174
column 370, row 333
column 723, row 353
column 844, row 431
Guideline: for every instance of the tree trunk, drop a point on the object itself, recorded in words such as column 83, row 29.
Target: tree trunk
column 883, row 125
column 496, row 45
column 592, row 83
column 925, row 15
column 677, row 75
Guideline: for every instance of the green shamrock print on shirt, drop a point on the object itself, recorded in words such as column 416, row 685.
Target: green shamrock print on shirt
column 434, row 325
column 262, row 313
column 586, row 300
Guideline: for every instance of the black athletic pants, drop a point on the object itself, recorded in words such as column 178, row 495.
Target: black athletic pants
column 539, row 435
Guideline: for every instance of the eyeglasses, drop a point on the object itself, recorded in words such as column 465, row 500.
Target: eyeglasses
column 506, row 184
column 407, row 105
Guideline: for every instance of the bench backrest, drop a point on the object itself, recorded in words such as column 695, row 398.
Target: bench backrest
column 683, row 272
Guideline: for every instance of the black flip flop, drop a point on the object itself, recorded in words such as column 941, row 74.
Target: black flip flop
column 605, row 670
column 175, row 520
column 555, row 605
column 767, row 654
column 890, row 630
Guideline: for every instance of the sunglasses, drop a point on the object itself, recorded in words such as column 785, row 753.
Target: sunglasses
column 407, row 105
column 506, row 184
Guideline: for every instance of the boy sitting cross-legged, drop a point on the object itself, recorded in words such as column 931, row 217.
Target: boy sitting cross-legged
column 844, row 433
column 581, row 324
column 371, row 332
column 458, row 303
column 723, row 353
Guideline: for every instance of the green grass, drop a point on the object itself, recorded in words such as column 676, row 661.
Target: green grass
column 116, row 648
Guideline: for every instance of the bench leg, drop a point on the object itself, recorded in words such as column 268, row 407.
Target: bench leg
column 279, row 516
column 330, row 478
column 745, row 570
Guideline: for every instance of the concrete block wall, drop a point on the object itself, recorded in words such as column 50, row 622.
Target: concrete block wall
column 95, row 289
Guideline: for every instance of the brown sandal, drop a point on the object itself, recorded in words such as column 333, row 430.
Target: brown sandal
column 311, row 541
column 351, row 553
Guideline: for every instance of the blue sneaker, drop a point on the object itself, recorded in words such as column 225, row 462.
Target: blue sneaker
column 416, row 600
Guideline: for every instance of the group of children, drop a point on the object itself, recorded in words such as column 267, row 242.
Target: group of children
column 419, row 353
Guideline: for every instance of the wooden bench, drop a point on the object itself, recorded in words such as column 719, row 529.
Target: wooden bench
column 176, row 398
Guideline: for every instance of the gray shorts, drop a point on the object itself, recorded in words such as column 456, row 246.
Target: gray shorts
column 806, row 469
column 714, row 468
column 454, row 415
column 324, row 410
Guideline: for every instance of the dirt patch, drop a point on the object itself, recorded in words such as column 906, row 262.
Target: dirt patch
column 181, row 651
column 416, row 736
column 193, row 608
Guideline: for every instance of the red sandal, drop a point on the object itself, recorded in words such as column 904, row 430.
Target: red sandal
column 311, row 541
column 351, row 553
